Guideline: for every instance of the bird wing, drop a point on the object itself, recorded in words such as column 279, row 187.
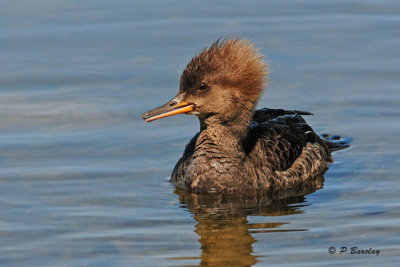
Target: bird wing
column 266, row 114
column 278, row 137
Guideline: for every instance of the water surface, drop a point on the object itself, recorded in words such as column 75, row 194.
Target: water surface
column 84, row 181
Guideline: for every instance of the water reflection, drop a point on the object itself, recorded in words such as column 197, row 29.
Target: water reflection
column 222, row 224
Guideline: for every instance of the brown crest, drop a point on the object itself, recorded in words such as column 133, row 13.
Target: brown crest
column 233, row 63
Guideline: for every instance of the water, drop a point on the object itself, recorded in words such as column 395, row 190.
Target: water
column 84, row 181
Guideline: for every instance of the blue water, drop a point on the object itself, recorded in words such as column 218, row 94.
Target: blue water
column 84, row 181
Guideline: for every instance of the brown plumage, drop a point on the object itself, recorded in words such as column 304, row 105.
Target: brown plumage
column 238, row 148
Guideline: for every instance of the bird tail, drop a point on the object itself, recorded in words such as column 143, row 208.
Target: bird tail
column 336, row 142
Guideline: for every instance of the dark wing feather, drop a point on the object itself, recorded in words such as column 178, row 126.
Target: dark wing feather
column 266, row 114
column 281, row 136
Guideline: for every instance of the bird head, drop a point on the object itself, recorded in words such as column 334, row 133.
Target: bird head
column 218, row 84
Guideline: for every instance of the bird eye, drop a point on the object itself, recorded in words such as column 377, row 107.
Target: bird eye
column 203, row 87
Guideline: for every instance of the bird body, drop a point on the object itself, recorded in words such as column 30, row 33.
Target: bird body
column 239, row 148
column 281, row 152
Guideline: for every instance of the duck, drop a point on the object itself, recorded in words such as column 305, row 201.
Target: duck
column 239, row 148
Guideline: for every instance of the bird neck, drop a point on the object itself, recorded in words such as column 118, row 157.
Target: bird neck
column 226, row 135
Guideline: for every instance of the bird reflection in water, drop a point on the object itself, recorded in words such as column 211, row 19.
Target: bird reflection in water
column 226, row 234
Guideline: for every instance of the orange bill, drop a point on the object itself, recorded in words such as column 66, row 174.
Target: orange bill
column 173, row 107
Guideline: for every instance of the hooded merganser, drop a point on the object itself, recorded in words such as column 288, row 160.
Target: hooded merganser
column 239, row 148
